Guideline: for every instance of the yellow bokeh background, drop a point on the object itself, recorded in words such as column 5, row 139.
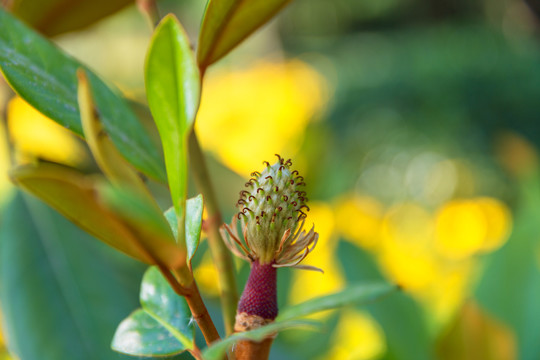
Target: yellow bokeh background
column 247, row 115
column 36, row 136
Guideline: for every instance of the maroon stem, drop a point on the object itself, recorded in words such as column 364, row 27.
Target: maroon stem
column 260, row 294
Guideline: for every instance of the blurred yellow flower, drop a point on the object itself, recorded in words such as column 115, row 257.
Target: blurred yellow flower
column 448, row 291
column 206, row 275
column 499, row 222
column 406, row 239
column 357, row 337
column 36, row 136
column 461, row 229
column 251, row 114
column 409, row 266
column 358, row 219
column 408, row 223
column 465, row 227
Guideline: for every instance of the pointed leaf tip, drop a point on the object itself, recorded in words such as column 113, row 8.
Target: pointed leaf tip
column 227, row 23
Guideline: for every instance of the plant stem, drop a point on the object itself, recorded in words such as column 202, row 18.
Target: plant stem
column 200, row 314
column 220, row 254
column 252, row 350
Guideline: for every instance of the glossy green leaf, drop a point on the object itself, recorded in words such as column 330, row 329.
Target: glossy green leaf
column 76, row 197
column 52, row 17
column 172, row 88
column 46, row 78
column 162, row 327
column 62, row 293
column 227, row 23
column 354, row 294
column 142, row 335
column 194, row 211
column 218, row 349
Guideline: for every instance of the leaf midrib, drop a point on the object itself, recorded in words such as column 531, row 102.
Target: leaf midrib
column 187, row 343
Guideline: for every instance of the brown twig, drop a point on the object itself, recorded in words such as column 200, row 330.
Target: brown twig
column 252, row 350
column 200, row 314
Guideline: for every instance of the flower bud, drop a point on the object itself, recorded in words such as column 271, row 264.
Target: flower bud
column 272, row 211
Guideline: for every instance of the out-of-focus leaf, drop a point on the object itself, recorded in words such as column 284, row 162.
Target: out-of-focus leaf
column 45, row 77
column 61, row 292
column 77, row 198
column 354, row 294
column 147, row 222
column 403, row 342
column 53, row 17
column 475, row 336
column 74, row 196
column 218, row 349
column 510, row 286
column 172, row 88
column 194, row 211
column 227, row 23
column 113, row 165
column 162, row 327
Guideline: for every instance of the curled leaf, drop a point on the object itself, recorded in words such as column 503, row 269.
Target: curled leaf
column 77, row 197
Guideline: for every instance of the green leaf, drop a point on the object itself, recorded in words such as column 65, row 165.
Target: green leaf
column 62, row 293
column 142, row 335
column 46, row 78
column 162, row 327
column 227, row 23
column 354, row 294
column 53, row 17
column 76, row 197
column 194, row 211
column 172, row 88
column 218, row 349
column 140, row 214
column 109, row 160
column 510, row 286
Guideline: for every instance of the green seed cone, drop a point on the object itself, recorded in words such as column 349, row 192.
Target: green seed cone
column 272, row 206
